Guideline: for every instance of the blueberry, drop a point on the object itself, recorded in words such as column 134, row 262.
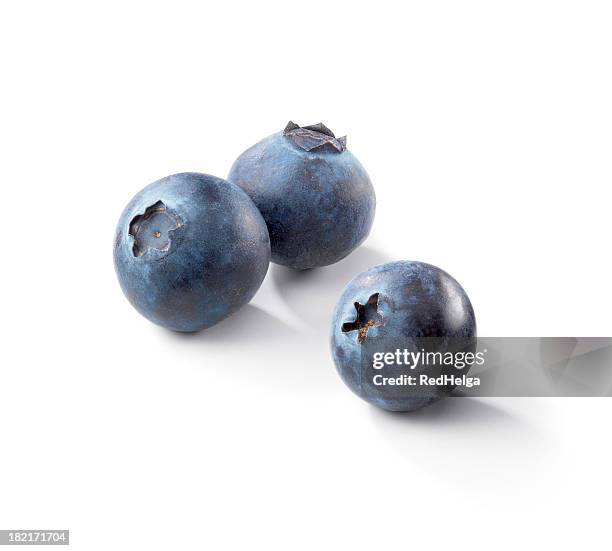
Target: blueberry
column 399, row 304
column 190, row 249
column 314, row 195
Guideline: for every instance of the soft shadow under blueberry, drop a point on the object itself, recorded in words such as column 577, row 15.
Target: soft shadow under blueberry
column 453, row 410
column 249, row 324
column 312, row 294
column 466, row 442
column 258, row 347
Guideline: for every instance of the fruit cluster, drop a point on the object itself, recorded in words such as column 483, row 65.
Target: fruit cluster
column 191, row 249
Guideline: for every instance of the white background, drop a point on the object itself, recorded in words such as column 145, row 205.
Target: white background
column 486, row 130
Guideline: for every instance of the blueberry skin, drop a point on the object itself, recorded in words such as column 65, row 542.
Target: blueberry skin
column 414, row 300
column 190, row 249
column 317, row 200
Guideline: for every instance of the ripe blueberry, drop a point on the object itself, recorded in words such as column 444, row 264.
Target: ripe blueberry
column 314, row 195
column 190, row 249
column 403, row 305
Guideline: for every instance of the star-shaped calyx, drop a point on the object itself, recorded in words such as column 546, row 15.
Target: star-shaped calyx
column 151, row 230
column 316, row 137
column 367, row 316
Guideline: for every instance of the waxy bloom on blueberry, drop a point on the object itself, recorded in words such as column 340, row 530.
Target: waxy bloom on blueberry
column 190, row 249
column 404, row 305
column 314, row 195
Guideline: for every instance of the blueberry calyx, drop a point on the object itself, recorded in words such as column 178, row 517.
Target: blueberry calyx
column 367, row 316
column 316, row 137
column 151, row 230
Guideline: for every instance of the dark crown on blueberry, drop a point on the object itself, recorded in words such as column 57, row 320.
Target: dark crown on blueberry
column 316, row 137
